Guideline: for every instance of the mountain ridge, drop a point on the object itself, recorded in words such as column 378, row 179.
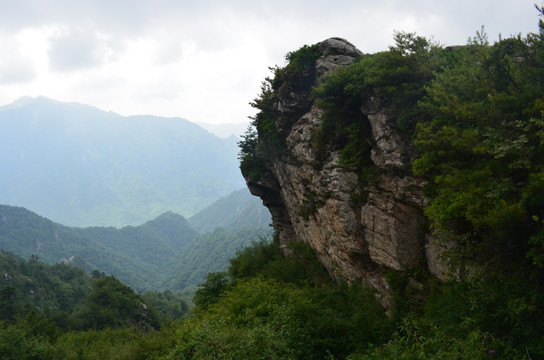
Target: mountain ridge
column 163, row 253
column 237, row 210
column 82, row 166
column 123, row 252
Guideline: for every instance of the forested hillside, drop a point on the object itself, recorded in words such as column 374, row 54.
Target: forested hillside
column 133, row 254
column 66, row 297
column 238, row 210
column 163, row 253
column 210, row 252
column 81, row 166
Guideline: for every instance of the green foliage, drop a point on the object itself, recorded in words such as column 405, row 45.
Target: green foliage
column 261, row 135
column 113, row 304
column 73, row 300
column 37, row 328
column 252, row 166
column 271, row 306
column 263, row 318
column 94, row 344
column 299, row 266
column 263, row 258
column 417, row 340
column 343, row 125
column 7, row 302
column 495, row 318
column 28, row 339
column 263, row 140
column 482, row 150
column 536, row 253
column 299, row 74
column 208, row 253
column 400, row 75
column 119, row 344
column 253, row 259
column 209, row 292
column 43, row 287
column 168, row 305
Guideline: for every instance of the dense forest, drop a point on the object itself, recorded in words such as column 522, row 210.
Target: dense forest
column 166, row 253
column 475, row 114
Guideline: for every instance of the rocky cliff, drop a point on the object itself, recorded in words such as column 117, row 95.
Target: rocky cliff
column 358, row 231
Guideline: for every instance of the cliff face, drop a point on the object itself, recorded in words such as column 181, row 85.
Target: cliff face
column 357, row 231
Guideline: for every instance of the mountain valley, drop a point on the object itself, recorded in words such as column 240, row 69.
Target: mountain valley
column 165, row 253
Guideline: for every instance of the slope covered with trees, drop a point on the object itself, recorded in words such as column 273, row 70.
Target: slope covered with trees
column 133, row 254
column 238, row 210
column 73, row 299
column 264, row 306
column 210, row 252
column 163, row 253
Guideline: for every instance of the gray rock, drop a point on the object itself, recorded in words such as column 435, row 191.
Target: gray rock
column 319, row 201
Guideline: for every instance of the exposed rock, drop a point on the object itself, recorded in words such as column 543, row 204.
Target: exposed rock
column 357, row 233
column 336, row 52
column 392, row 149
column 433, row 251
column 393, row 231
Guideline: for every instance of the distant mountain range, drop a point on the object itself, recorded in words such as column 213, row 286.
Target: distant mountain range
column 81, row 166
column 238, row 210
column 224, row 131
column 164, row 253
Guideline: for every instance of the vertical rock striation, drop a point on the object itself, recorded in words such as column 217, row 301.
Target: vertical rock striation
column 357, row 231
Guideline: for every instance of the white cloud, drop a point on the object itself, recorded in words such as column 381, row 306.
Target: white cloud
column 205, row 60
column 22, row 58
column 14, row 66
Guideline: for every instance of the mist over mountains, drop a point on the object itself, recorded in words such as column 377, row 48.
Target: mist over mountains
column 81, row 166
column 156, row 202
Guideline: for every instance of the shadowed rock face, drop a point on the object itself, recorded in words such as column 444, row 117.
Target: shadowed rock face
column 316, row 200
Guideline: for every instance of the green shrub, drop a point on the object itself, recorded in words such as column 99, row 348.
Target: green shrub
column 113, row 304
column 417, row 341
column 262, row 139
column 268, row 319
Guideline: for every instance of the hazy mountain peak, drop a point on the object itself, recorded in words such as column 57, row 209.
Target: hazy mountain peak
column 19, row 103
column 225, row 131
column 82, row 166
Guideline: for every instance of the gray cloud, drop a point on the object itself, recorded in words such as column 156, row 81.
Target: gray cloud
column 172, row 56
column 76, row 47
column 215, row 23
column 75, row 50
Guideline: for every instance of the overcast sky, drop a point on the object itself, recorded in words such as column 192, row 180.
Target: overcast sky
column 205, row 60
